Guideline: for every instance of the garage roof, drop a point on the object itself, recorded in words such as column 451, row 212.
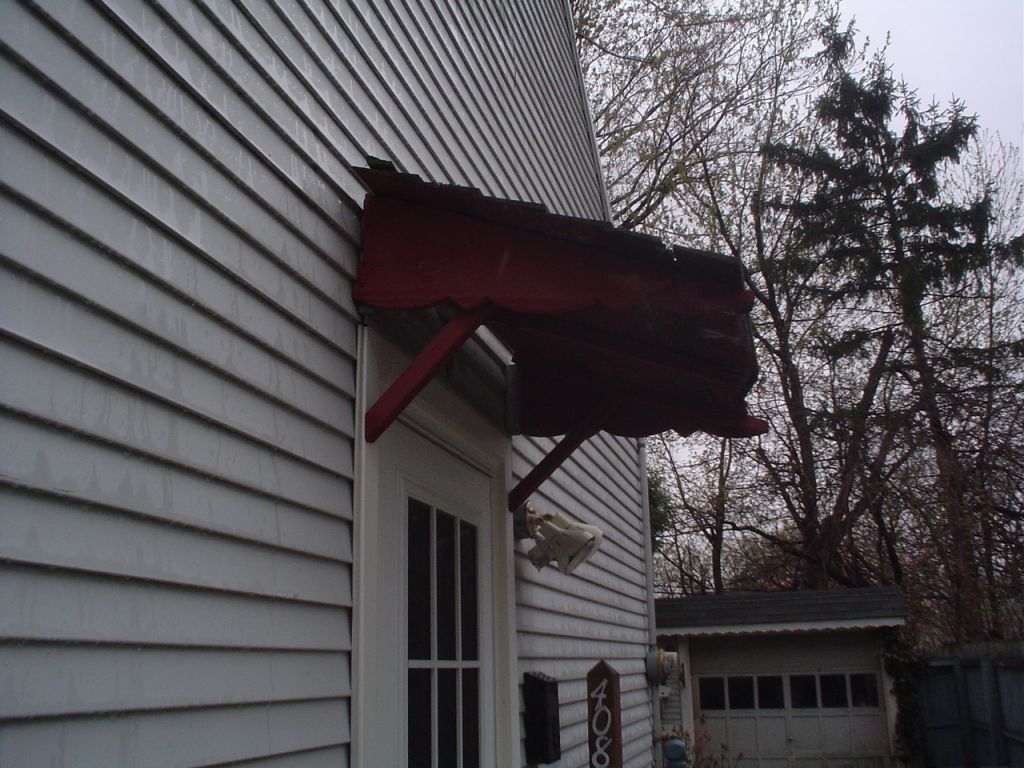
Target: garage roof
column 799, row 610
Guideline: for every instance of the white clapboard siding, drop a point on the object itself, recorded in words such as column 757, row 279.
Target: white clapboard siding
column 566, row 624
column 179, row 222
column 188, row 736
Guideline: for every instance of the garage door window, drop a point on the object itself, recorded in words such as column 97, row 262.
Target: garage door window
column 712, row 693
column 826, row 691
column 741, row 693
column 769, row 693
column 833, row 691
column 864, row 690
column 803, row 691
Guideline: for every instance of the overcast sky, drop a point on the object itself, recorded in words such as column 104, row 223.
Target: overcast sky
column 973, row 49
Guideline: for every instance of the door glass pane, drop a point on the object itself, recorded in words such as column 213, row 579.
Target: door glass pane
column 467, row 580
column 741, row 693
column 833, row 691
column 769, row 693
column 419, row 580
column 864, row 690
column 803, row 692
column 446, row 595
column 712, row 693
column 470, row 719
column 447, row 719
column 420, row 726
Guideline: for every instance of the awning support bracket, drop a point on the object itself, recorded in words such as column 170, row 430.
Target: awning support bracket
column 583, row 431
column 421, row 370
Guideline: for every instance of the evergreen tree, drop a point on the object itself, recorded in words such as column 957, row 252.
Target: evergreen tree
column 879, row 226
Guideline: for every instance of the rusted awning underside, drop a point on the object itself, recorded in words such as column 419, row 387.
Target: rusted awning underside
column 609, row 330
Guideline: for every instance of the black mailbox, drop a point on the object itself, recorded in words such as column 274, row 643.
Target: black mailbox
column 543, row 732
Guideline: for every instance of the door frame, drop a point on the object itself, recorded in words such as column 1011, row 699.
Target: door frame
column 446, row 420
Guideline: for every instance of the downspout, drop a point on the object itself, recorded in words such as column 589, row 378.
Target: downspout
column 652, row 630
column 359, row 727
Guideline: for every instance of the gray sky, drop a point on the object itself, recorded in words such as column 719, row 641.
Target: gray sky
column 973, row 49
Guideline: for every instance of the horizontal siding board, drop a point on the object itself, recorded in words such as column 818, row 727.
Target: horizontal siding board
column 325, row 757
column 361, row 96
column 409, row 113
column 537, row 646
column 635, row 704
column 177, row 738
column 144, row 193
column 588, row 601
column 566, row 624
column 575, row 668
column 592, row 585
column 621, row 454
column 430, row 71
column 636, row 743
column 179, row 486
column 133, row 300
column 66, row 465
column 573, row 691
column 475, row 58
column 566, row 489
column 487, row 27
column 445, row 44
column 557, row 26
column 212, row 211
column 614, row 566
column 533, row 126
column 91, row 406
column 594, row 580
column 219, row 35
column 259, row 158
column 57, row 605
column 572, row 626
column 532, row 99
column 227, row 81
column 55, row 680
column 93, row 215
column 309, row 243
column 164, row 375
column 43, row 531
column 547, row 73
column 586, row 474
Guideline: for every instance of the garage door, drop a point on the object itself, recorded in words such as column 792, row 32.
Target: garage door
column 820, row 720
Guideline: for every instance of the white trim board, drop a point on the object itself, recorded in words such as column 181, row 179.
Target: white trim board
column 782, row 628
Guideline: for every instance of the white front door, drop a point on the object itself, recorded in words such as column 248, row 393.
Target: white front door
column 430, row 686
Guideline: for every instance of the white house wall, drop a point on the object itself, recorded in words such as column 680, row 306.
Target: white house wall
column 179, row 227
column 567, row 623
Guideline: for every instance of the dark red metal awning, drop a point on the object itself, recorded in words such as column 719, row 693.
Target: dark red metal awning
column 610, row 330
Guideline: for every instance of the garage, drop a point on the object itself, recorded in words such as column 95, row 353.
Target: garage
column 782, row 679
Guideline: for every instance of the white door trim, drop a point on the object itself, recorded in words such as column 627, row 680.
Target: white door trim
column 440, row 416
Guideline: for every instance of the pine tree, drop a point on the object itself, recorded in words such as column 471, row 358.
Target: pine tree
column 877, row 220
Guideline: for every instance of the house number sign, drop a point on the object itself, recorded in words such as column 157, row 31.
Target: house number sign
column 604, row 717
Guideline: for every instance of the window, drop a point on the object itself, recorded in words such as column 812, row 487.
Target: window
column 833, row 691
column 741, row 693
column 803, row 691
column 443, row 663
column 769, row 693
column 712, row 692
column 864, row 690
